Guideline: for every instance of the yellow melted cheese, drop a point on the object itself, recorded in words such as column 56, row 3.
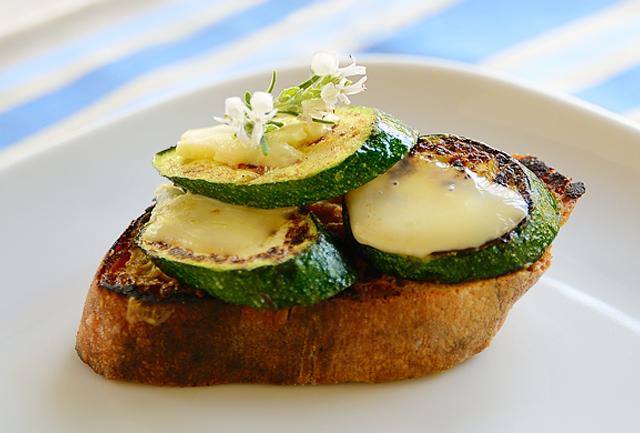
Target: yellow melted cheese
column 210, row 227
column 421, row 207
column 219, row 143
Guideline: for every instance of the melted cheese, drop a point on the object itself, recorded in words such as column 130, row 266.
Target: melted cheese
column 209, row 227
column 421, row 207
column 219, row 143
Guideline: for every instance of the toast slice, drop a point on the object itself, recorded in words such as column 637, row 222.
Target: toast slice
column 143, row 326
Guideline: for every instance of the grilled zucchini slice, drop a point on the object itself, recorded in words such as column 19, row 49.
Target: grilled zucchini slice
column 272, row 258
column 444, row 231
column 364, row 144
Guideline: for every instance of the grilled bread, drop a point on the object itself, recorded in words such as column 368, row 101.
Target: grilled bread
column 141, row 325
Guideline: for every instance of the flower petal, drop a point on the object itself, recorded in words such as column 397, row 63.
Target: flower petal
column 352, row 69
column 234, row 108
column 313, row 108
column 329, row 94
column 257, row 133
column 261, row 102
column 242, row 135
column 356, row 87
column 325, row 63
column 343, row 98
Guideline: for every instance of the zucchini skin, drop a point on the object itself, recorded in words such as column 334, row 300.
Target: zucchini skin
column 521, row 247
column 317, row 273
column 389, row 142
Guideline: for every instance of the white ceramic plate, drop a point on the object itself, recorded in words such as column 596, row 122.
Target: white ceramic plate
column 566, row 360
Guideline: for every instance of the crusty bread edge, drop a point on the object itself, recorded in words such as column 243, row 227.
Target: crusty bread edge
column 414, row 329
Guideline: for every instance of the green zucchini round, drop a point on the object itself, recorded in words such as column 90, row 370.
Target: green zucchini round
column 517, row 249
column 294, row 274
column 364, row 144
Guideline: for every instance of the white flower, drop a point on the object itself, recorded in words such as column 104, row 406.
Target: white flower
column 234, row 108
column 313, row 100
column 325, row 63
column 316, row 109
column 235, row 115
column 239, row 116
column 313, row 109
column 332, row 93
column 352, row 69
column 261, row 112
column 261, row 107
column 328, row 63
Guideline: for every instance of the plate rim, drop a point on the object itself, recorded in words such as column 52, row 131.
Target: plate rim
column 413, row 418
column 21, row 153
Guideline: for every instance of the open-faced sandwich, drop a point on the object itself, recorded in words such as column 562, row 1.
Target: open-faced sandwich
column 303, row 242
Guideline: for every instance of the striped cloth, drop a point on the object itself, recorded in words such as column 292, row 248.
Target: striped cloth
column 71, row 64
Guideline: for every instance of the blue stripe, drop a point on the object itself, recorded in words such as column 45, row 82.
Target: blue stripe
column 43, row 111
column 475, row 29
column 314, row 33
column 619, row 93
column 568, row 60
column 61, row 56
